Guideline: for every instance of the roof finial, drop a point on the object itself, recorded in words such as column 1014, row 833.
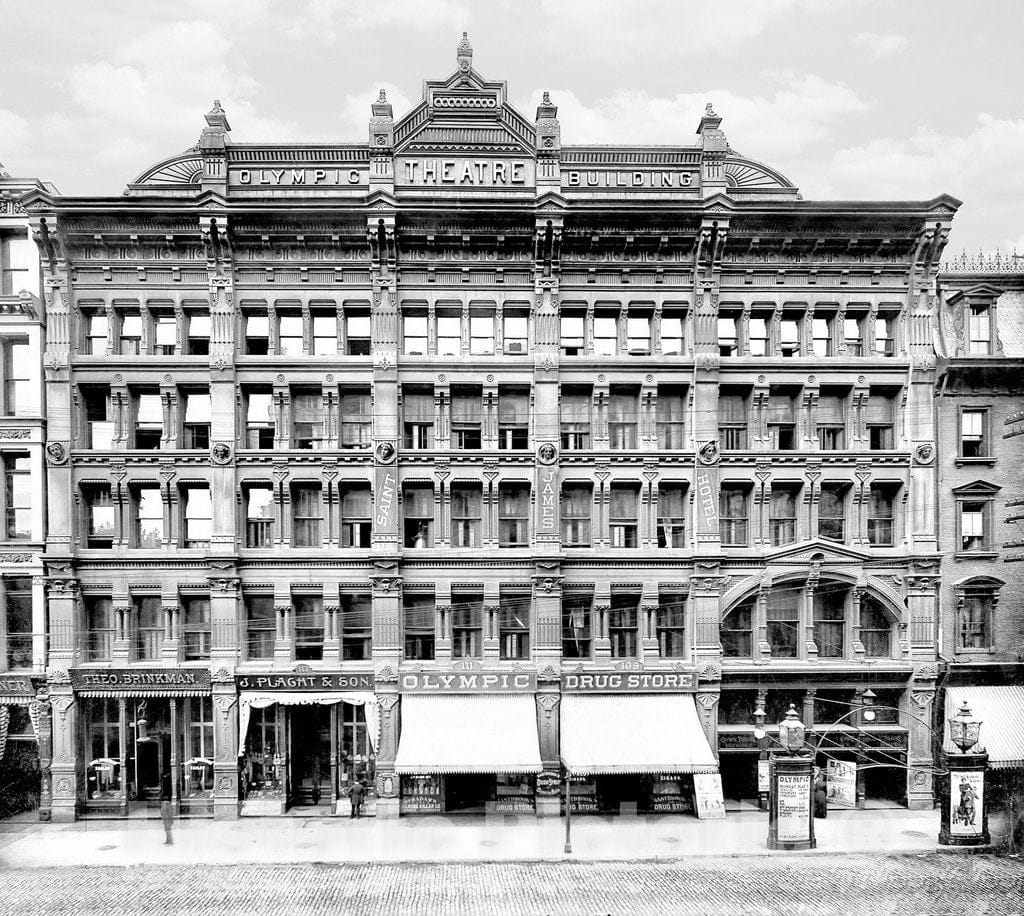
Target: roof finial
column 464, row 54
column 217, row 117
column 383, row 97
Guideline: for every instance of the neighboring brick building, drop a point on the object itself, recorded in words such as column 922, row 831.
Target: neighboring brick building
column 459, row 458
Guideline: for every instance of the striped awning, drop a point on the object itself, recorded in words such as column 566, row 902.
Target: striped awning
column 1001, row 712
column 633, row 733
column 479, row 733
column 142, row 693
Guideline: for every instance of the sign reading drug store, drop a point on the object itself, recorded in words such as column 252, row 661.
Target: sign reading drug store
column 603, row 681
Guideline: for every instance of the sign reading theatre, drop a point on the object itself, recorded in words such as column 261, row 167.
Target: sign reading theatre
column 465, row 173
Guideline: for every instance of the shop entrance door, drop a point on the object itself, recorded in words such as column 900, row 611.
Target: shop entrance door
column 468, row 793
column 622, row 794
column 152, row 758
column 310, row 757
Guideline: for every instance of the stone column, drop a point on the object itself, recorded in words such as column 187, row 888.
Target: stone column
column 225, row 745
column 64, row 766
column 921, row 715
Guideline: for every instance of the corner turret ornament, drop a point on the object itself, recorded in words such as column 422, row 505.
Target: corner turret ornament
column 464, row 54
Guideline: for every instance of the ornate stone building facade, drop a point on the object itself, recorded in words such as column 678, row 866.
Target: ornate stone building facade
column 459, row 458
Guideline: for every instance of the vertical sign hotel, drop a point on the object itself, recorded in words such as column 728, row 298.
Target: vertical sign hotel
column 460, row 463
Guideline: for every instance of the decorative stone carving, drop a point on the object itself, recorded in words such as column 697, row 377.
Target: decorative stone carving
column 708, row 453
column 924, row 453
column 386, row 675
column 711, row 671
column 385, row 452
column 56, row 453
column 220, row 453
column 547, row 453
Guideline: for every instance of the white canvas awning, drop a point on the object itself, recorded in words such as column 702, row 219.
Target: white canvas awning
column 255, row 699
column 468, row 734
column 1001, row 712
column 633, row 733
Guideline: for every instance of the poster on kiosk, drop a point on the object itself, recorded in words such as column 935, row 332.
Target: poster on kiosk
column 707, row 791
column 841, row 777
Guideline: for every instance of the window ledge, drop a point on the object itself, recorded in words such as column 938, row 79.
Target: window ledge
column 976, row 555
column 960, row 461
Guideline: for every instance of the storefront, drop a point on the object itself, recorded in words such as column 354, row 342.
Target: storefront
column 304, row 740
column 469, row 743
column 20, row 775
column 628, row 749
column 147, row 734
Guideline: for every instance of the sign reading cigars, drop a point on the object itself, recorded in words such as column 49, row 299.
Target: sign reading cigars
column 468, row 682
column 317, row 681
column 628, row 681
column 164, row 679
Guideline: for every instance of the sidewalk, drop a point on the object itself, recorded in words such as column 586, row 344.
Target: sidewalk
column 448, row 839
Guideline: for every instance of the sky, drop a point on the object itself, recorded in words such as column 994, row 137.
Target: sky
column 850, row 99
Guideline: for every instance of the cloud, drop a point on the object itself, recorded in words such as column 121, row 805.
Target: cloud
column 14, row 137
column 877, row 46
column 325, row 21
column 796, row 113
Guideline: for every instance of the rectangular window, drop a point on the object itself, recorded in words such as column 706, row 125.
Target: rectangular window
column 149, row 421
column 418, row 417
column 885, row 335
column 576, row 506
column 758, row 335
column 975, row 613
column 467, row 415
column 829, row 622
column 623, row 625
column 673, row 342
column 853, row 335
column 198, row 517
column 97, row 331
column 728, row 335
column 638, row 334
column 974, row 525
column 881, row 515
column 577, row 612
column 513, row 418
column 733, row 513
column 309, row 627
column 783, row 619
column 732, row 419
column 257, row 334
column 781, row 419
column 516, row 333
column 307, row 515
column 481, row 333
column 575, row 419
column 196, row 423
column 670, row 626
column 514, row 625
column 832, row 511
column 289, row 334
column 99, row 515
column 356, row 526
column 259, row 420
column 307, row 420
column 98, row 416
column 623, row 411
column 467, row 625
column 17, row 495
column 880, row 420
column 830, row 422
column 260, row 626
column 789, row 336
column 195, row 613
column 979, row 330
column 355, row 409
column 103, row 770
column 148, row 507
column 197, row 770
column 259, row 516
column 672, row 515
column 165, row 334
column 149, row 627
column 622, row 515
column 782, row 514
column 325, row 334
column 821, row 331
column 199, row 333
column 513, row 515
column 573, row 335
column 18, row 621
column 670, row 417
column 875, row 628
column 449, row 333
column 99, row 628
column 973, row 434
column 736, row 630
column 357, row 333
column 465, row 515
column 131, row 334
column 414, row 334
column 356, row 627
column 16, row 372
column 418, row 614
column 606, row 335
column 418, row 512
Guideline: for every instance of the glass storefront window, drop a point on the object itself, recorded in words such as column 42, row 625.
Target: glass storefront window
column 197, row 769
column 358, row 760
column 103, row 771
column 264, row 774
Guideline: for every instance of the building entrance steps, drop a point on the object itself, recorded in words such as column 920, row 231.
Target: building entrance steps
column 449, row 839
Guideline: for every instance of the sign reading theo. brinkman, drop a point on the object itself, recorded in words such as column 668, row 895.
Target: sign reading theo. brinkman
column 143, row 678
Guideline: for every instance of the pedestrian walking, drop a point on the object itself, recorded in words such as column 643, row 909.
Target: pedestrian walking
column 167, row 816
column 820, row 794
column 355, row 796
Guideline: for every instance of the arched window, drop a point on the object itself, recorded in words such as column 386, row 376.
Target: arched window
column 736, row 630
column 875, row 628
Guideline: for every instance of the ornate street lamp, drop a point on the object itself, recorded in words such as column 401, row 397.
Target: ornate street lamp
column 964, row 802
column 763, row 779
column 964, row 729
column 790, row 824
column 792, row 732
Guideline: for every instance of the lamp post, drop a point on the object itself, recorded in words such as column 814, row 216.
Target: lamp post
column 964, row 806
column 763, row 778
column 790, row 824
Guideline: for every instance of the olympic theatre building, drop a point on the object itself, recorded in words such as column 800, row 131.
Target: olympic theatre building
column 460, row 460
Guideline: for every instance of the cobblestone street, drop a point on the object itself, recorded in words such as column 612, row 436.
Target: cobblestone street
column 935, row 885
